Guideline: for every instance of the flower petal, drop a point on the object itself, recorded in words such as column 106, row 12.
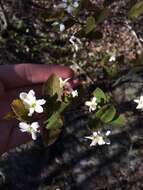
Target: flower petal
column 35, row 126
column 23, row 95
column 34, row 135
column 94, row 100
column 74, row 93
column 31, row 98
column 89, row 137
column 31, row 111
column 107, row 141
column 62, row 27
column 41, row 102
column 69, row 9
column 75, row 4
column 31, row 92
column 88, row 103
column 23, row 126
column 136, row 100
column 93, row 143
column 38, row 109
column 140, row 106
column 108, row 133
column 101, row 141
column 94, row 133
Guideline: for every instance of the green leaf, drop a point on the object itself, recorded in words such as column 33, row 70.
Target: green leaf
column 95, row 123
column 52, row 121
column 19, row 110
column 99, row 94
column 111, row 72
column 103, row 15
column 119, row 121
column 136, row 10
column 101, row 111
column 106, row 113
column 90, row 24
column 52, row 87
column 53, row 125
column 9, row 115
column 51, row 135
column 53, row 104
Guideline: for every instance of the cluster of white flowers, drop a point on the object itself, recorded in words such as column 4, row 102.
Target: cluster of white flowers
column 69, row 5
column 63, row 83
column 139, row 102
column 92, row 104
column 99, row 138
column 33, row 105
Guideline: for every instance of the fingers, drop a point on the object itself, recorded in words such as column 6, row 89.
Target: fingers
column 13, row 76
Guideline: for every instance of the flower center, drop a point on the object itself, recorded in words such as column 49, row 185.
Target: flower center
column 33, row 104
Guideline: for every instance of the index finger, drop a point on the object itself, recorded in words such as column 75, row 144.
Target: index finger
column 13, row 76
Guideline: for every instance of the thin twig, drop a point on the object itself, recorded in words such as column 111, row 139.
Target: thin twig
column 5, row 16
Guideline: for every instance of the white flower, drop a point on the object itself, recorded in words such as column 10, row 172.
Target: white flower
column 139, row 102
column 75, row 42
column 92, row 104
column 60, row 25
column 99, row 138
column 108, row 133
column 63, row 82
column 30, row 128
column 30, row 102
column 112, row 58
column 74, row 93
column 69, row 5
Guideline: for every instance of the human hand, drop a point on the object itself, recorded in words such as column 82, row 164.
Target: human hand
column 21, row 78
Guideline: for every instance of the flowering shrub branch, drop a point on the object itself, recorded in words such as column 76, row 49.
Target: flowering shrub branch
column 57, row 96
